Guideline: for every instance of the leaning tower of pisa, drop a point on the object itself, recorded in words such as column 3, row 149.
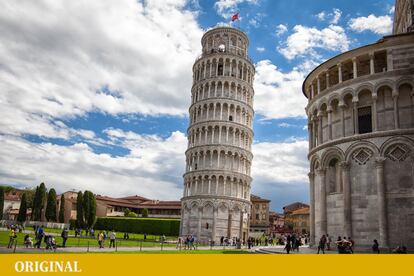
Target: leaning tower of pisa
column 216, row 199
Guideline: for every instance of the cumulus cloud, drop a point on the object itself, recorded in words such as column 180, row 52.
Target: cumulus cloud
column 280, row 164
column 226, row 8
column 333, row 16
column 281, row 29
column 154, row 166
column 305, row 40
column 66, row 59
column 278, row 94
column 260, row 49
column 381, row 25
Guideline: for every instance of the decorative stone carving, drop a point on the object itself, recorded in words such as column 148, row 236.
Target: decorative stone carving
column 398, row 152
column 362, row 156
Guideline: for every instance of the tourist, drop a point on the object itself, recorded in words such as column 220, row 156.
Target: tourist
column 298, row 243
column 287, row 247
column 322, row 244
column 12, row 237
column 375, row 247
column 221, row 240
column 28, row 241
column 180, row 243
column 112, row 238
column 101, row 239
column 400, row 250
column 64, row 235
column 351, row 245
column 328, row 242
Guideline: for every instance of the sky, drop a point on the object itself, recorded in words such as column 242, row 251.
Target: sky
column 94, row 95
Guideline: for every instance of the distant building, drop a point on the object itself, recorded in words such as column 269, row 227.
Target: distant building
column 259, row 218
column 11, row 206
column 403, row 17
column 295, row 217
column 276, row 223
column 113, row 207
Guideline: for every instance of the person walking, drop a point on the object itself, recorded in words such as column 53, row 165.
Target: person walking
column 64, row 235
column 288, row 247
column 112, row 238
column 375, row 247
column 12, row 237
column 322, row 244
column 101, row 240
column 351, row 245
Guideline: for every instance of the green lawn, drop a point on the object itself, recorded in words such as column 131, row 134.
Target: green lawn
column 72, row 241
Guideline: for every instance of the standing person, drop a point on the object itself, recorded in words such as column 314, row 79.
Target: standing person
column 322, row 243
column 351, row 245
column 339, row 245
column 328, row 242
column 298, row 243
column 64, row 235
column 112, row 238
column 375, row 247
column 101, row 239
column 288, row 247
column 179, row 243
column 12, row 237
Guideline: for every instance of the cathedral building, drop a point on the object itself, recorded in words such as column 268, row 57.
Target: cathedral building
column 361, row 141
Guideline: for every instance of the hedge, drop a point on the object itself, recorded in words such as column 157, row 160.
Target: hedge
column 152, row 226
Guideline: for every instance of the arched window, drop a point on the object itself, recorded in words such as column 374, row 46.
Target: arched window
column 364, row 120
column 230, row 118
column 334, row 184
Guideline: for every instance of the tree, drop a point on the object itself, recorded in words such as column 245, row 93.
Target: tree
column 126, row 212
column 79, row 210
column 62, row 209
column 132, row 215
column 51, row 206
column 39, row 202
column 145, row 213
column 89, row 208
column 21, row 217
column 1, row 202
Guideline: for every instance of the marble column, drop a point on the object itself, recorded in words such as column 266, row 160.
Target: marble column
column 200, row 214
column 327, row 79
column 371, row 64
column 322, row 206
column 354, row 67
column 310, row 129
column 312, row 206
column 314, row 134
column 312, row 91
column 329, row 110
column 346, row 182
column 374, row 113
column 382, row 202
column 241, row 226
column 318, row 85
column 213, row 229
column 396, row 111
column 342, row 106
column 320, row 130
column 339, row 72
column 355, row 115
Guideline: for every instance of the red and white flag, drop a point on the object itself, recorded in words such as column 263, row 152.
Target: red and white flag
column 235, row 17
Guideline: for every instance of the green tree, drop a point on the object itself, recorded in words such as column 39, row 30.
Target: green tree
column 1, row 202
column 89, row 208
column 132, row 215
column 126, row 212
column 21, row 217
column 79, row 210
column 62, row 209
column 51, row 206
column 39, row 202
column 145, row 213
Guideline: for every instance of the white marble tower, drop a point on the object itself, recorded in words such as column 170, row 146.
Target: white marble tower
column 216, row 199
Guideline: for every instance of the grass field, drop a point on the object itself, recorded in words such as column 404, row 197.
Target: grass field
column 84, row 241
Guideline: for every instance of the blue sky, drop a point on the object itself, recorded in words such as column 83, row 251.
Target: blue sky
column 95, row 95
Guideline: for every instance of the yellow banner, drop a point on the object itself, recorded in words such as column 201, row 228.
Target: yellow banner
column 165, row 264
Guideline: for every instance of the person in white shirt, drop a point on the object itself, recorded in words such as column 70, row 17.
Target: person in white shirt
column 112, row 238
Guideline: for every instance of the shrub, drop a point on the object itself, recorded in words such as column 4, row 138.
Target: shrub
column 152, row 226
column 145, row 213
column 131, row 215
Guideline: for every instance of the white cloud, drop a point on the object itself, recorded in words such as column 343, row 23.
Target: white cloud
column 278, row 94
column 65, row 60
column 226, row 8
column 280, row 163
column 321, row 16
column 305, row 39
column 281, row 29
column 333, row 16
column 336, row 16
column 381, row 25
column 391, row 10
column 260, row 49
column 145, row 170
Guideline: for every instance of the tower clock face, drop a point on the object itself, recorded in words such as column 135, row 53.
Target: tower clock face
column 222, row 48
